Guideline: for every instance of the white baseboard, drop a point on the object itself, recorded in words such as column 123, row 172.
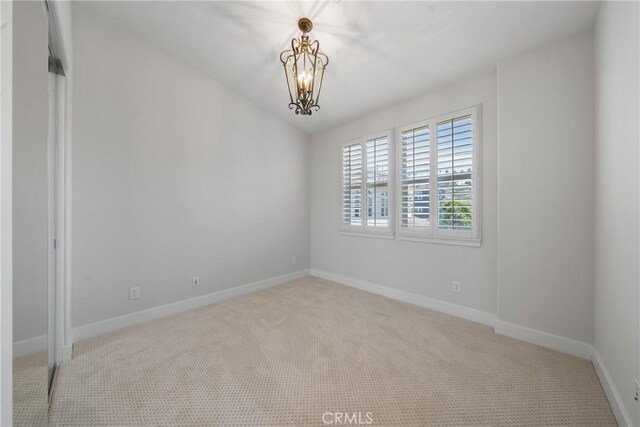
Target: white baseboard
column 408, row 297
column 544, row 339
column 29, row 346
column 617, row 406
column 108, row 325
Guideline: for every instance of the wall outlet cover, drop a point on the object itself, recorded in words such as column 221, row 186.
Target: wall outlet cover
column 195, row 282
column 457, row 287
column 134, row 293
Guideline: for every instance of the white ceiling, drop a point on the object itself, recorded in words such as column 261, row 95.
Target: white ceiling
column 380, row 53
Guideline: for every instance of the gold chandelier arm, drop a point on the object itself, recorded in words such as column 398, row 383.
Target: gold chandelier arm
column 324, row 59
column 285, row 55
column 286, row 74
column 320, row 87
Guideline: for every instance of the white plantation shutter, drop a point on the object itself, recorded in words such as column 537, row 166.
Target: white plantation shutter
column 437, row 175
column 455, row 167
column 415, row 177
column 378, row 182
column 366, row 185
column 352, row 184
column 438, row 179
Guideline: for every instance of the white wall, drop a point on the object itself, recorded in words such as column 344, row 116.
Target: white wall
column 421, row 268
column 545, row 208
column 174, row 176
column 30, row 179
column 535, row 266
column 6, row 226
column 617, row 207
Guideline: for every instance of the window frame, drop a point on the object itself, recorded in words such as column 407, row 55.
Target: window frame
column 363, row 229
column 432, row 234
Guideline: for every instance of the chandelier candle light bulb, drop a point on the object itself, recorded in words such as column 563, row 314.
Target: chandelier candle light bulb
column 304, row 67
column 305, row 81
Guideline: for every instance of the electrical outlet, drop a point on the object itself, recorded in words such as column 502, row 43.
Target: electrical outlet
column 294, row 260
column 456, row 288
column 637, row 396
column 195, row 282
column 134, row 293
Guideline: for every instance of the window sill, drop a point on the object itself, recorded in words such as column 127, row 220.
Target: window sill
column 375, row 235
column 470, row 242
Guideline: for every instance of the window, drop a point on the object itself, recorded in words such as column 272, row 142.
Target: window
column 438, row 179
column 366, row 173
column 437, row 175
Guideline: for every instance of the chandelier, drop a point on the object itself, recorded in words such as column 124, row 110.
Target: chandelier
column 304, row 66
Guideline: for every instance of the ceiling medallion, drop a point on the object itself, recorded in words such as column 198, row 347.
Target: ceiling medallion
column 304, row 66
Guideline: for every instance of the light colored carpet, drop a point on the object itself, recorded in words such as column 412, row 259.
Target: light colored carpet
column 30, row 390
column 289, row 354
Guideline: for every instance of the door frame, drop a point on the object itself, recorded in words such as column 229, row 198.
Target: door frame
column 6, row 209
column 62, row 178
column 52, row 136
column 64, row 337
